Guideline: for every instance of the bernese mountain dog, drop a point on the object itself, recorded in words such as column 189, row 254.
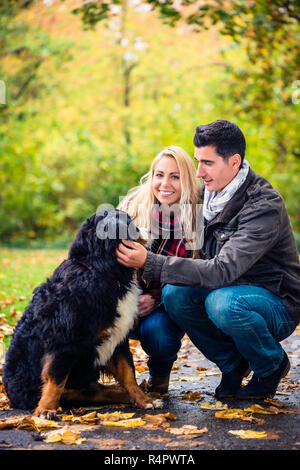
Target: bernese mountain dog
column 76, row 327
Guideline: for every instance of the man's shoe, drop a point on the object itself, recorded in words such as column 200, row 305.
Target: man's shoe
column 158, row 384
column 231, row 382
column 260, row 388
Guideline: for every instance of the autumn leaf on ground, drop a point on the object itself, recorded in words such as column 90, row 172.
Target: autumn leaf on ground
column 288, row 386
column 115, row 416
column 186, row 430
column 169, row 416
column 125, row 423
column 107, row 444
column 141, row 368
column 28, row 423
column 191, row 396
column 89, row 418
column 156, row 439
column 206, row 405
column 65, row 436
column 185, row 443
column 283, row 408
column 161, row 416
column 272, row 410
column 159, row 420
column 272, row 401
column 248, row 434
column 4, row 402
column 235, row 413
column 41, row 424
column 208, row 372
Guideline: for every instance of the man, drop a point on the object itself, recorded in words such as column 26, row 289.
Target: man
column 244, row 294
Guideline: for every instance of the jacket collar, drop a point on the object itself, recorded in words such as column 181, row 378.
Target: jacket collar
column 235, row 203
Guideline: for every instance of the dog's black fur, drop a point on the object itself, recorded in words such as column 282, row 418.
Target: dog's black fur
column 62, row 325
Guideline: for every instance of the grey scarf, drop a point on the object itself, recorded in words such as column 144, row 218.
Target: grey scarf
column 214, row 202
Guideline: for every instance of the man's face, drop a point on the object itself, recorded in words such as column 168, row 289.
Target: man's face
column 215, row 172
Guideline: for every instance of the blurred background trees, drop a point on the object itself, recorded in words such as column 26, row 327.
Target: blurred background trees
column 94, row 90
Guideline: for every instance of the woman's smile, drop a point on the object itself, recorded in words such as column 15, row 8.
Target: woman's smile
column 166, row 183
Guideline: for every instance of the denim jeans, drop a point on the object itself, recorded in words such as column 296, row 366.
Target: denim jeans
column 161, row 340
column 232, row 322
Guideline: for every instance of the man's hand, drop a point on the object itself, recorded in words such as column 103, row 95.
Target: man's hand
column 132, row 257
column 146, row 305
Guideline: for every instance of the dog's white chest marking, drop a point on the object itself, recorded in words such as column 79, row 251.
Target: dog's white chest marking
column 127, row 308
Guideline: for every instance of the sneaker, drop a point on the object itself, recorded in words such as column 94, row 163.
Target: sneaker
column 158, row 384
column 231, row 382
column 264, row 387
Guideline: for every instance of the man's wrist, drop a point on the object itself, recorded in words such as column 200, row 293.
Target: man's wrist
column 152, row 267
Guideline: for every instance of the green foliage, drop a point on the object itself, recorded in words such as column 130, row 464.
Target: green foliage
column 87, row 110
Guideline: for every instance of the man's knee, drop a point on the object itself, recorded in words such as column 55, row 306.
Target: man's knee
column 173, row 298
column 218, row 308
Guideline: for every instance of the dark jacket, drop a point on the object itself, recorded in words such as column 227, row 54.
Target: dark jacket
column 250, row 242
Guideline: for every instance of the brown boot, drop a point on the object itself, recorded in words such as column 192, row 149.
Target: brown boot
column 158, row 384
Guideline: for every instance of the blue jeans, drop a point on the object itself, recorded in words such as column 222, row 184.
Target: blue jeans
column 161, row 340
column 232, row 322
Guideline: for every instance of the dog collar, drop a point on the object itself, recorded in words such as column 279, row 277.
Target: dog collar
column 89, row 266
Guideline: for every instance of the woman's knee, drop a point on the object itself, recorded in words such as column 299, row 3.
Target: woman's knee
column 159, row 335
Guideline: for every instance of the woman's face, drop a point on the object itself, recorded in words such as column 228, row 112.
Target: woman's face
column 166, row 185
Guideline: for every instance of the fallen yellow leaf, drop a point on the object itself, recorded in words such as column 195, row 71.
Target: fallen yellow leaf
column 125, row 423
column 158, row 420
column 191, row 396
column 187, row 429
column 169, row 416
column 42, row 424
column 235, row 413
column 248, row 434
column 70, row 418
column 28, row 422
column 141, row 368
column 272, row 410
column 64, row 435
column 115, row 416
column 206, row 405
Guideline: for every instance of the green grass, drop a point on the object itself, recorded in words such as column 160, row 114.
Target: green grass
column 21, row 271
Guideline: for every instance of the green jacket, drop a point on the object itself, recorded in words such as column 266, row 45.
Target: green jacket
column 250, row 242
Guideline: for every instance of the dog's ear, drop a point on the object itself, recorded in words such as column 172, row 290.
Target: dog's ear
column 82, row 245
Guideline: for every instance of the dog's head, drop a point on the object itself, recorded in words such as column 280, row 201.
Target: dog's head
column 99, row 236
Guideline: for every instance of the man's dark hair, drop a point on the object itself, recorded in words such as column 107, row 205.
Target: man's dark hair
column 225, row 136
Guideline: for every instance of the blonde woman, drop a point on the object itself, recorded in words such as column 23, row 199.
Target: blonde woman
column 165, row 206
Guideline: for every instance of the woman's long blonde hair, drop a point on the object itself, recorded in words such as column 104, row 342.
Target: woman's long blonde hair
column 139, row 201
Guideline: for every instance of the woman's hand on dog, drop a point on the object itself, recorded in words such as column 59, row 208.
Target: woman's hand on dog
column 146, row 305
column 131, row 254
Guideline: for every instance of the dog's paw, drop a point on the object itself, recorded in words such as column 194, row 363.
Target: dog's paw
column 46, row 414
column 149, row 406
column 158, row 403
